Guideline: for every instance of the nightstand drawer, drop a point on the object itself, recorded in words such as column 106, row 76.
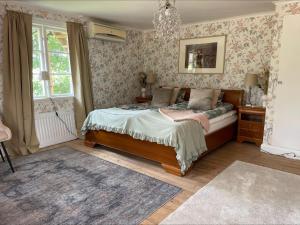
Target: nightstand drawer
column 251, row 133
column 250, row 125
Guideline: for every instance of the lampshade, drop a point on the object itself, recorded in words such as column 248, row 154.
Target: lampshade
column 151, row 78
column 44, row 75
column 251, row 80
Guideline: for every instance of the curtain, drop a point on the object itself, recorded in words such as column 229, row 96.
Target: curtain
column 80, row 67
column 18, row 111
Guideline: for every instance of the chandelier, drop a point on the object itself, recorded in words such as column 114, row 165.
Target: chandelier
column 167, row 21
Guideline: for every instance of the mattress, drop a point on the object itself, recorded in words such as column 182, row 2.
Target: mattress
column 219, row 122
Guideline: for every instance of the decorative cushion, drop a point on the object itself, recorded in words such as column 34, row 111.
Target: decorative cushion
column 181, row 96
column 215, row 99
column 175, row 93
column 201, row 99
column 162, row 97
column 220, row 98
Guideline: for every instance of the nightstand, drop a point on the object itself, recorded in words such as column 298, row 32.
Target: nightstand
column 141, row 99
column 251, row 124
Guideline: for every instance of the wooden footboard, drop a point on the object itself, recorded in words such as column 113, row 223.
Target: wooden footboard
column 165, row 155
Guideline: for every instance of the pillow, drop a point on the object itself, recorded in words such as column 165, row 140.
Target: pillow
column 181, row 96
column 162, row 97
column 220, row 98
column 201, row 99
column 215, row 99
column 175, row 92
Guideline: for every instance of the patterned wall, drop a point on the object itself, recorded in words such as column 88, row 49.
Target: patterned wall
column 44, row 105
column 115, row 67
column 248, row 49
column 252, row 42
column 282, row 9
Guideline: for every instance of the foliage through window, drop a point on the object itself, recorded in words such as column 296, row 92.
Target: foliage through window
column 51, row 53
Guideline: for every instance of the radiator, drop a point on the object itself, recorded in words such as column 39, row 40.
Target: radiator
column 50, row 130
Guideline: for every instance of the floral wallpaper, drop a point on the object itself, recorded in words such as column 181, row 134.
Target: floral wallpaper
column 41, row 105
column 248, row 50
column 115, row 67
column 59, row 104
column 253, row 44
column 282, row 9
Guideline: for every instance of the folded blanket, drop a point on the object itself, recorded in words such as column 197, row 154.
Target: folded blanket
column 181, row 115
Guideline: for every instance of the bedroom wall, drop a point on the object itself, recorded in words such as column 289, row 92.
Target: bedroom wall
column 114, row 66
column 41, row 105
column 248, row 49
column 282, row 9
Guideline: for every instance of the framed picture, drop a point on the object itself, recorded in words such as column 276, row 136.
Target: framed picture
column 202, row 55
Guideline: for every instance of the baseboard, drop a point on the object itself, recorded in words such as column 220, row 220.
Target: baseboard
column 286, row 152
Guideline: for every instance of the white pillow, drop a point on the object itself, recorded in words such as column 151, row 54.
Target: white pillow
column 162, row 97
column 201, row 99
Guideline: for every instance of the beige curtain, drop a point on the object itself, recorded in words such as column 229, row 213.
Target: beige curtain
column 17, row 81
column 80, row 67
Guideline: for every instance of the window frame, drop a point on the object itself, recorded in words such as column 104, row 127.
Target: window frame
column 43, row 27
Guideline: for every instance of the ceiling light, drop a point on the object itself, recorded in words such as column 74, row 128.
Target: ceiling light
column 167, row 21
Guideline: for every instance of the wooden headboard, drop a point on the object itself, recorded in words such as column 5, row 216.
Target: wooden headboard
column 234, row 97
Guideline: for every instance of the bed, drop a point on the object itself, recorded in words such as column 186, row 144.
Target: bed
column 222, row 129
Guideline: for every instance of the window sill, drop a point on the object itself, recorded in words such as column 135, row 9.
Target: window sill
column 54, row 98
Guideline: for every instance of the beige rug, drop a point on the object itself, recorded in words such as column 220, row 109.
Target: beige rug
column 243, row 194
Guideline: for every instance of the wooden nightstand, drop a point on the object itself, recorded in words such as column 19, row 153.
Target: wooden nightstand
column 141, row 99
column 251, row 124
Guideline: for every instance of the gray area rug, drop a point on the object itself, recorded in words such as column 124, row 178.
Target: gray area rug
column 243, row 194
column 65, row 186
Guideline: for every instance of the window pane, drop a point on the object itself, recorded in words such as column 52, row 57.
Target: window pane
column 38, row 87
column 61, row 84
column 59, row 63
column 57, row 41
column 36, row 38
column 36, row 62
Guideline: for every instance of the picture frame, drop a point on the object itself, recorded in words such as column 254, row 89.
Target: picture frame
column 204, row 55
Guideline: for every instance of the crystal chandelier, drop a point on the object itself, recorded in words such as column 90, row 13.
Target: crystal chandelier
column 167, row 21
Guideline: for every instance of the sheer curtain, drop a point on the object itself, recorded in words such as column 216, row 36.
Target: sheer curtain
column 18, row 110
column 80, row 66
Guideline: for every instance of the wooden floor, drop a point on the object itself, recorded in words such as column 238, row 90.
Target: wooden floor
column 203, row 171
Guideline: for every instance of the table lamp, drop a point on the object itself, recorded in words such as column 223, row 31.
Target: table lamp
column 251, row 81
column 151, row 78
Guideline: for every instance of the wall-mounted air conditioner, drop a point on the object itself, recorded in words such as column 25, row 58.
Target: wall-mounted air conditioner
column 99, row 31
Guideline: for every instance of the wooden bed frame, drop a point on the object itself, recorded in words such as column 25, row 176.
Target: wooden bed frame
column 165, row 155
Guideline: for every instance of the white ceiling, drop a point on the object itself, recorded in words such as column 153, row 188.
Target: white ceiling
column 139, row 13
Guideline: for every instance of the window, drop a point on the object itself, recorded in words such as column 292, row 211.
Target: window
column 51, row 53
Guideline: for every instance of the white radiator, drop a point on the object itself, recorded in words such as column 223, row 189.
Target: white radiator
column 50, row 130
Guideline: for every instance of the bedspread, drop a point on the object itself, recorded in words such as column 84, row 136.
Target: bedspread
column 187, row 137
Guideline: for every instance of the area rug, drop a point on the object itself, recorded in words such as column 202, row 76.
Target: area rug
column 243, row 194
column 65, row 186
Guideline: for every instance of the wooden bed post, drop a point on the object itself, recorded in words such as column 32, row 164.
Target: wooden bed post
column 172, row 169
column 90, row 144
